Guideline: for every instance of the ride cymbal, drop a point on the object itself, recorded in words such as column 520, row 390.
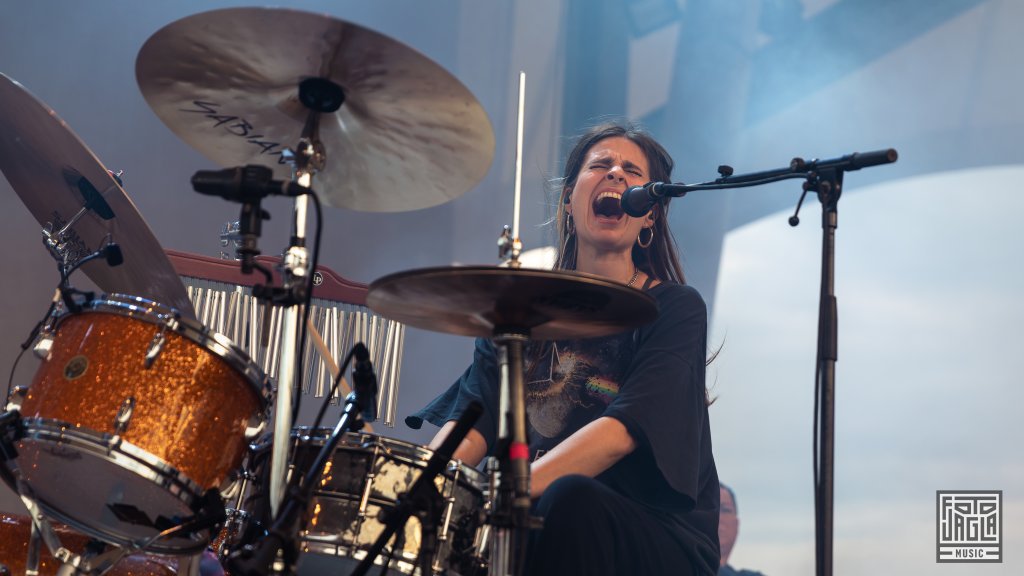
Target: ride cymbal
column 56, row 175
column 408, row 135
column 484, row 300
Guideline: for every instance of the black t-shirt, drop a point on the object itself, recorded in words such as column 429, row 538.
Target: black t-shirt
column 650, row 379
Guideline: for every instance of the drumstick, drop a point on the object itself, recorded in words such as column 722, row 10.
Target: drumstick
column 325, row 354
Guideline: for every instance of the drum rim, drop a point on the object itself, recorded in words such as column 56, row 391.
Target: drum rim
column 401, row 561
column 119, row 452
column 171, row 318
column 468, row 474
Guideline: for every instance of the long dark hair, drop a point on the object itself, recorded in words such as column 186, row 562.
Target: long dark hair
column 660, row 260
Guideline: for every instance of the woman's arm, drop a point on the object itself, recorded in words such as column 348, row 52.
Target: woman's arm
column 589, row 451
column 472, row 449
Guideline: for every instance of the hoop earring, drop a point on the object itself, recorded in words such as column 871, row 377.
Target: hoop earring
column 570, row 225
column 650, row 239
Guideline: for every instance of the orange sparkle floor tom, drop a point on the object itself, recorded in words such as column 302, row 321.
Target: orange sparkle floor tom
column 132, row 418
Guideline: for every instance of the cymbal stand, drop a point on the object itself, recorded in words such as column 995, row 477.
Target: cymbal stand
column 509, row 243
column 319, row 95
column 60, row 239
column 510, row 516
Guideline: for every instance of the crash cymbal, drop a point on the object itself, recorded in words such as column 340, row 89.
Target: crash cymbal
column 482, row 300
column 408, row 135
column 55, row 175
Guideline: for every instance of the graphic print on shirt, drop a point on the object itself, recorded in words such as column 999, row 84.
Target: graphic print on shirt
column 570, row 383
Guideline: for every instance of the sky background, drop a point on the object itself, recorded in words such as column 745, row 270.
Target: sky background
column 928, row 272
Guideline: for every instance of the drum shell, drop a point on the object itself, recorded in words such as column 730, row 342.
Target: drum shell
column 363, row 479
column 15, row 531
column 191, row 409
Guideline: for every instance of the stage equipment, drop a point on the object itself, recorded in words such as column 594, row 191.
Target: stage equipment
column 824, row 178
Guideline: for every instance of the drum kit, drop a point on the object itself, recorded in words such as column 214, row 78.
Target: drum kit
column 144, row 439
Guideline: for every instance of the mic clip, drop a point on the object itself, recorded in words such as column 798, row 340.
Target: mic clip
column 76, row 300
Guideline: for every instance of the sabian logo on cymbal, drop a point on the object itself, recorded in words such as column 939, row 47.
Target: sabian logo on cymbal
column 236, row 126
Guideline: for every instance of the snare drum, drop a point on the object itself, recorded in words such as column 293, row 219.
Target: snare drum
column 363, row 479
column 132, row 418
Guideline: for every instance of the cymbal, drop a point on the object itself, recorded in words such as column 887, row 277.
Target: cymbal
column 409, row 135
column 55, row 175
column 484, row 300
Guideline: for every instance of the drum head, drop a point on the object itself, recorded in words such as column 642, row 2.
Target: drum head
column 131, row 419
column 122, row 496
column 362, row 483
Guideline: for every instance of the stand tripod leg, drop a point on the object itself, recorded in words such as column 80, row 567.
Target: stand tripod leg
column 71, row 564
column 42, row 531
column 35, row 541
column 500, row 561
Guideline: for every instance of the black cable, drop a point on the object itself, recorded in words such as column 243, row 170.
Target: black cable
column 10, row 378
column 26, row 344
column 719, row 185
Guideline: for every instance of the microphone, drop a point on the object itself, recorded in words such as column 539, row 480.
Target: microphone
column 638, row 200
column 112, row 253
column 244, row 184
column 364, row 382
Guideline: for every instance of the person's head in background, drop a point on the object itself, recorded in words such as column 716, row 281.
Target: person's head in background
column 728, row 523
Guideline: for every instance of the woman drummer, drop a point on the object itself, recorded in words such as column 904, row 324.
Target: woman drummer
column 622, row 469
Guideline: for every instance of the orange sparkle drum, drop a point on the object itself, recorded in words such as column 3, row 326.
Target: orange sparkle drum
column 135, row 415
column 14, row 538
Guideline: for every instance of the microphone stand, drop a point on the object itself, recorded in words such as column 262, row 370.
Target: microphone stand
column 259, row 560
column 825, row 178
column 318, row 95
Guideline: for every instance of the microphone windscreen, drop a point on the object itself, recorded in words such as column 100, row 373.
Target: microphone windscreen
column 114, row 255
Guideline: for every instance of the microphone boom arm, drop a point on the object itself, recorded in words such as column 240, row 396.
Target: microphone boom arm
column 798, row 168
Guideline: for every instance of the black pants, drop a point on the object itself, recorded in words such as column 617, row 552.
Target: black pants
column 589, row 529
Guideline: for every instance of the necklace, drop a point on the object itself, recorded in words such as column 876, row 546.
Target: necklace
column 636, row 273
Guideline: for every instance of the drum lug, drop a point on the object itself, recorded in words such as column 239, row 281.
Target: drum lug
column 17, row 396
column 124, row 415
column 155, row 347
column 365, row 497
column 43, row 345
column 255, row 426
